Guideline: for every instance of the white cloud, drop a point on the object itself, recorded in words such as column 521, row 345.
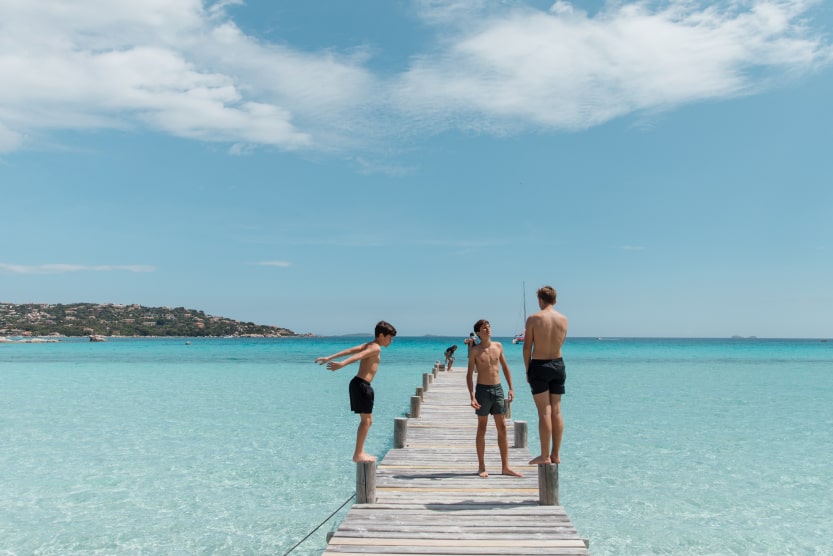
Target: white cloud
column 64, row 268
column 169, row 65
column 566, row 70
column 279, row 264
column 9, row 140
column 371, row 167
column 185, row 68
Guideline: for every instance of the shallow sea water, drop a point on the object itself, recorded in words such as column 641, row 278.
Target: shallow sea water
column 242, row 446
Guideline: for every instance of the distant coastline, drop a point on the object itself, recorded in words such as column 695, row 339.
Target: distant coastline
column 53, row 320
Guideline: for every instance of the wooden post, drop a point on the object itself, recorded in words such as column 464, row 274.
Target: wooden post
column 508, row 405
column 435, row 371
column 366, row 482
column 548, row 484
column 426, row 380
column 420, row 391
column 400, row 432
column 520, row 434
column 415, row 407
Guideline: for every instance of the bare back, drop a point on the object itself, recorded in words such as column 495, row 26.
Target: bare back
column 545, row 334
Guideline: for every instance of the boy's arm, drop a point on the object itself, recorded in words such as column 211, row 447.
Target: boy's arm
column 364, row 351
column 470, row 381
column 342, row 353
column 528, row 341
column 507, row 374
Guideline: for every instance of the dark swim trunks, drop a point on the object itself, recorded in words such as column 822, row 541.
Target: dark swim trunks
column 490, row 398
column 361, row 395
column 544, row 375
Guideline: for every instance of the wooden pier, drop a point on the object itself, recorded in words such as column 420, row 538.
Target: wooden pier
column 426, row 497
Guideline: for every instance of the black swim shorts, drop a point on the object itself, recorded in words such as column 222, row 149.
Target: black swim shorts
column 490, row 398
column 361, row 395
column 544, row 375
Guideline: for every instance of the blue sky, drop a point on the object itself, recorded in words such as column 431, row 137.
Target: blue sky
column 322, row 165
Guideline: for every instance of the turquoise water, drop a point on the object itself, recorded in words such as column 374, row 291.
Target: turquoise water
column 230, row 446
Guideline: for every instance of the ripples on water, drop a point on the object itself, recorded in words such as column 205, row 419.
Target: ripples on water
column 243, row 446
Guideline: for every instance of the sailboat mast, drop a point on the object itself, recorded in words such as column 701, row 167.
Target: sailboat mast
column 519, row 338
column 524, row 303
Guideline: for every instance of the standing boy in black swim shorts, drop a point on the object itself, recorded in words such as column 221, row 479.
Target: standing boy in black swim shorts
column 544, row 336
column 361, row 392
column 487, row 399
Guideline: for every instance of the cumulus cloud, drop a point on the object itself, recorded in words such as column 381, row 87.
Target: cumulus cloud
column 9, row 140
column 64, row 268
column 563, row 69
column 170, row 65
column 184, row 67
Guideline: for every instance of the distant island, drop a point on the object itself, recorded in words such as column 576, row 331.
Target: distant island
column 110, row 319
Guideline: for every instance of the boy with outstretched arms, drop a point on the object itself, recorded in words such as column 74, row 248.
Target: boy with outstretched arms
column 487, row 398
column 361, row 392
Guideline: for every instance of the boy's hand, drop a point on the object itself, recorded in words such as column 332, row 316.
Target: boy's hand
column 511, row 395
column 321, row 360
column 334, row 365
column 474, row 403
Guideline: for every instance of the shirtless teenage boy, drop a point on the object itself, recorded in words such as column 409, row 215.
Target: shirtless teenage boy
column 487, row 398
column 361, row 392
column 544, row 336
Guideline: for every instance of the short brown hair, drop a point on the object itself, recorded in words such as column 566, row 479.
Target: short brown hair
column 479, row 324
column 547, row 295
column 385, row 328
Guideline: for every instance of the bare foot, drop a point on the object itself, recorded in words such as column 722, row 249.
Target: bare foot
column 363, row 458
column 482, row 473
column 512, row 472
column 554, row 458
column 540, row 460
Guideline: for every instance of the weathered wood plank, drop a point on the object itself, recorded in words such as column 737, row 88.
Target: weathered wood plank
column 514, row 543
column 430, row 500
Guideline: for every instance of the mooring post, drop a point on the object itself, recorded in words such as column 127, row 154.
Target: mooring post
column 520, row 434
column 420, row 391
column 415, row 407
column 426, row 380
column 366, row 482
column 508, row 405
column 548, row 484
column 400, row 432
